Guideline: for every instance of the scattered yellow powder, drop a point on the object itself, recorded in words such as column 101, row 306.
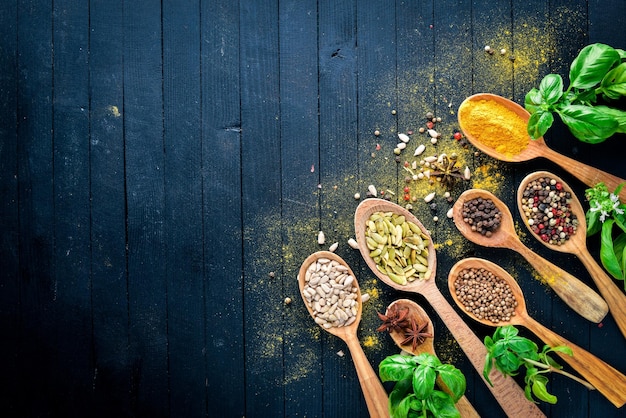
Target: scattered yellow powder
column 371, row 341
column 487, row 177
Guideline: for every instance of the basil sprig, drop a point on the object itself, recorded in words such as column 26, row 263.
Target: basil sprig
column 508, row 352
column 414, row 393
column 597, row 80
column 606, row 215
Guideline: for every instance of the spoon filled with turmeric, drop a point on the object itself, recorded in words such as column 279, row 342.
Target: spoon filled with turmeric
column 497, row 127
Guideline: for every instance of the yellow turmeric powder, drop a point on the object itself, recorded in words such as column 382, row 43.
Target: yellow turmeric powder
column 494, row 126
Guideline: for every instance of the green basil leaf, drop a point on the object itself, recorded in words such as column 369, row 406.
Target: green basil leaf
column 539, row 123
column 424, row 381
column 591, row 64
column 551, row 88
column 619, row 115
column 396, row 367
column 533, row 100
column 613, row 84
column 562, row 349
column 622, row 53
column 541, row 392
column 487, row 368
column 442, row 405
column 507, row 331
column 427, row 359
column 528, row 393
column 453, row 379
column 607, row 254
column 587, row 123
column 594, row 225
column 400, row 399
column 522, row 346
column 508, row 363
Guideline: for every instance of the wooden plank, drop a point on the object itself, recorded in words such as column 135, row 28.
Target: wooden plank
column 145, row 199
column 112, row 359
column 72, row 293
column 376, row 110
column 183, row 207
column 36, row 208
column 261, row 180
column 9, row 220
column 221, row 170
column 300, row 201
column 337, row 57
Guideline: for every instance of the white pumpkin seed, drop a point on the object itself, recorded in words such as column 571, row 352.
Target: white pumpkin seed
column 419, row 150
column 404, row 138
column 372, row 189
column 429, row 197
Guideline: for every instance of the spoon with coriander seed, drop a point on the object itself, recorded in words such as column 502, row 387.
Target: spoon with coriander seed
column 470, row 276
column 509, row 395
column 320, row 274
column 494, row 227
column 420, row 340
column 488, row 119
column 565, row 231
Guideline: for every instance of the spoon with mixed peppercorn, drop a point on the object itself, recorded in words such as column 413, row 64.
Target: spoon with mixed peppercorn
column 412, row 330
column 472, row 220
column 509, row 395
column 467, row 281
column 554, row 216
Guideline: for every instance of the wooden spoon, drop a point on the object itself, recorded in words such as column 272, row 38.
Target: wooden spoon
column 576, row 294
column 374, row 393
column 538, row 148
column 577, row 244
column 607, row 380
column 415, row 311
column 507, row 392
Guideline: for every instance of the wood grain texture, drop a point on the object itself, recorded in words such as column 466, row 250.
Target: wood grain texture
column 158, row 160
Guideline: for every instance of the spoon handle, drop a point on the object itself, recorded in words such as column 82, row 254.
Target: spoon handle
column 585, row 173
column 607, row 380
column 507, row 392
column 577, row 295
column 374, row 393
column 614, row 296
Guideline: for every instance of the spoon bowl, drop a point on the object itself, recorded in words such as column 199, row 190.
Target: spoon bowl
column 507, row 392
column 373, row 391
column 363, row 212
column 536, row 148
column 576, row 294
column 577, row 245
column 607, row 380
column 427, row 346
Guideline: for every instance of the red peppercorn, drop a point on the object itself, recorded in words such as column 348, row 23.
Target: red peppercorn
column 559, row 186
column 458, row 135
column 430, row 125
column 407, row 197
column 544, row 237
column 406, row 189
column 406, row 163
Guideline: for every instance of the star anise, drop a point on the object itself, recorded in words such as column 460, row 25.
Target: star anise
column 415, row 334
column 394, row 320
column 446, row 171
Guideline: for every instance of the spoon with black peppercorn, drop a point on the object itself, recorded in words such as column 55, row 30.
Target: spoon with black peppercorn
column 576, row 294
column 421, row 318
column 576, row 243
column 606, row 379
column 374, row 393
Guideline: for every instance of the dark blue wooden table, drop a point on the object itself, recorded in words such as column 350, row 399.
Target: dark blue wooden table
column 165, row 168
